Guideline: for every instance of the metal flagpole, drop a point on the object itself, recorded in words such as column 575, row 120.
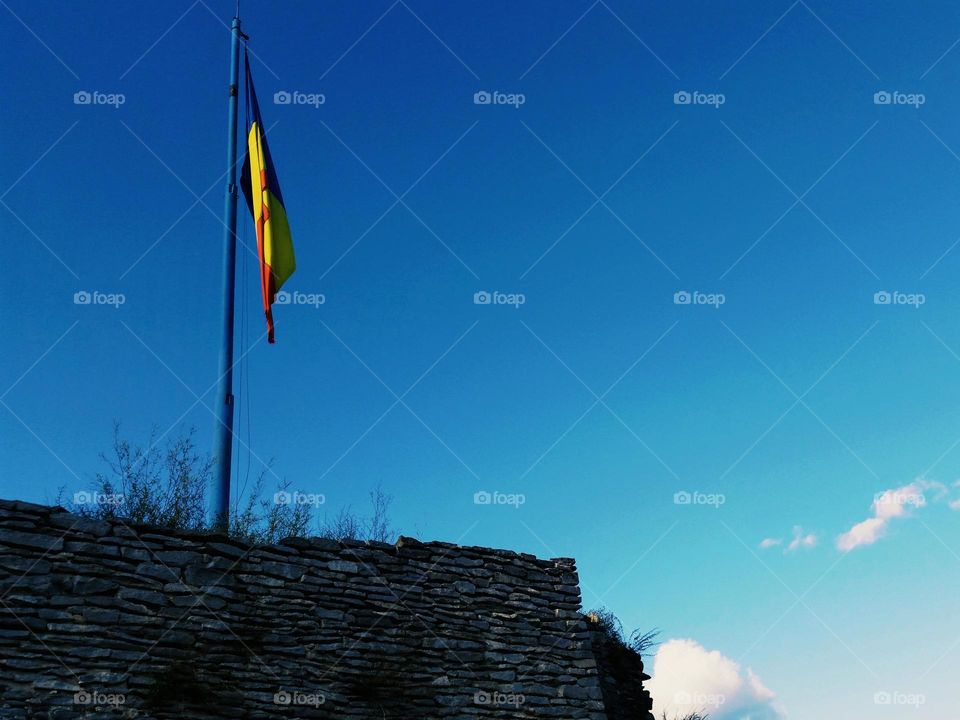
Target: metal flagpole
column 218, row 496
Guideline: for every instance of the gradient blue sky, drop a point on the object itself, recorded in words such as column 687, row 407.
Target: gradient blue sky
column 797, row 199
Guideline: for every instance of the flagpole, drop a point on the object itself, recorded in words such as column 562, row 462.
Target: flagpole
column 218, row 496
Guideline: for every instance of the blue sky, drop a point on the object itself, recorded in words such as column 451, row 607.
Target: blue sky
column 796, row 200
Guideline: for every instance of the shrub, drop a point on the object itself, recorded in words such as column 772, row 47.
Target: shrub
column 166, row 487
column 642, row 643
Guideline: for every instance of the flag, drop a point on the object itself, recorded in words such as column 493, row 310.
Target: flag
column 258, row 180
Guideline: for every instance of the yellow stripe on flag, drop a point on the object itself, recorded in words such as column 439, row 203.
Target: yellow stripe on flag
column 277, row 242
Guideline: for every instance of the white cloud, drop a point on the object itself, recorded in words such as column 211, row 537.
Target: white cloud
column 801, row 540
column 687, row 678
column 887, row 506
column 955, row 504
column 863, row 533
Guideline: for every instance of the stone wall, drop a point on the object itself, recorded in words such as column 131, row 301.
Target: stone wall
column 103, row 619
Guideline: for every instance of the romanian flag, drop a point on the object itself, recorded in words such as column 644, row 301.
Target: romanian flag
column 258, row 180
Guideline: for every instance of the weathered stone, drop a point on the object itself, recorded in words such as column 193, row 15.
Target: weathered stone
column 201, row 576
column 147, row 597
column 38, row 541
column 177, row 557
column 343, row 566
column 92, row 585
column 162, row 573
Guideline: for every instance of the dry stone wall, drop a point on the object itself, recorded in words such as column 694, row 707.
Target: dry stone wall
column 104, row 619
